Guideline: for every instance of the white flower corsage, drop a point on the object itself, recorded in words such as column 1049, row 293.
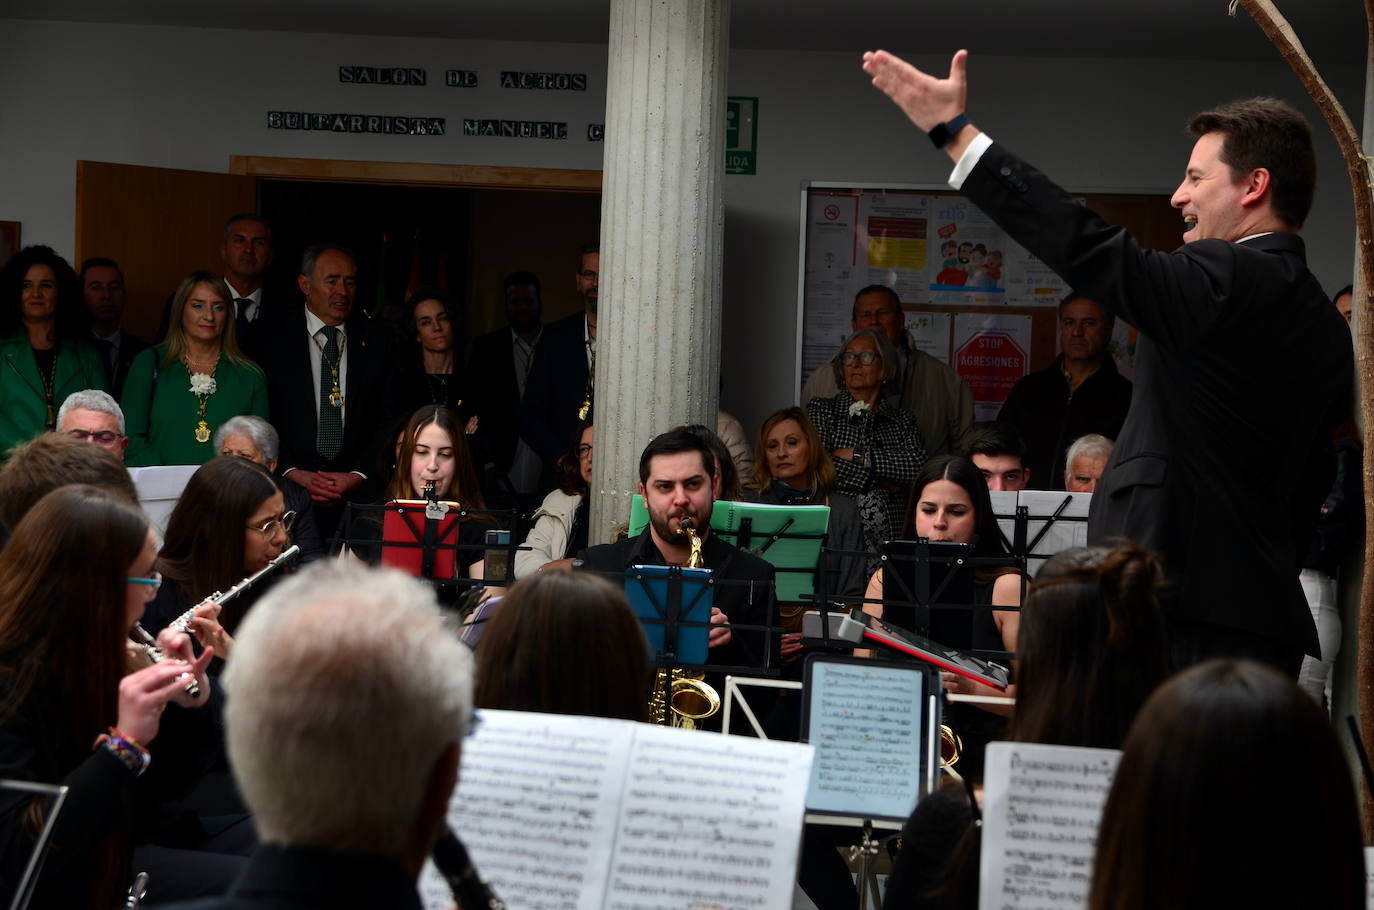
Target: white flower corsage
column 203, row 384
column 857, row 409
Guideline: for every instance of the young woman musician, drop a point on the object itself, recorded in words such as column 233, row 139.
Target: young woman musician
column 73, row 583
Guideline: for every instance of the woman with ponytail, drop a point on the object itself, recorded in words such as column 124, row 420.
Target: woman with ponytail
column 1091, row 649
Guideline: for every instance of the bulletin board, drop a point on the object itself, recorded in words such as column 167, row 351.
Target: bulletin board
column 973, row 297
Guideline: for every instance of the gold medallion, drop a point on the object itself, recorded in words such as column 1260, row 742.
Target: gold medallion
column 582, row 411
column 336, row 398
column 202, row 432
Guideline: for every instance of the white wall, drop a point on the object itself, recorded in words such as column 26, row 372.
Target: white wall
column 190, row 98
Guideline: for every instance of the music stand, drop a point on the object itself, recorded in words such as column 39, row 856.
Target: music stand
column 29, row 880
column 673, row 605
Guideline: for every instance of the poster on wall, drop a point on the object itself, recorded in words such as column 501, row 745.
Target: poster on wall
column 930, row 247
column 991, row 352
column 931, row 332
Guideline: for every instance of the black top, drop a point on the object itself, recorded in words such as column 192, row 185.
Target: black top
column 313, row 878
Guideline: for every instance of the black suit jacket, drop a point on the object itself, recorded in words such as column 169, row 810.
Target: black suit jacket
column 495, row 394
column 285, row 353
column 1243, row 369
column 129, row 348
column 556, row 389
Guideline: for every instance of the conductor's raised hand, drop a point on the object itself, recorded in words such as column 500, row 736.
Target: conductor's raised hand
column 925, row 99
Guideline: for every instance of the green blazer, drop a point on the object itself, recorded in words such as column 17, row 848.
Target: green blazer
column 23, row 403
column 162, row 413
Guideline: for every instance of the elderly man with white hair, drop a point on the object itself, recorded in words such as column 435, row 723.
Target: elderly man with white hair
column 91, row 415
column 1085, row 461
column 349, row 703
column 253, row 438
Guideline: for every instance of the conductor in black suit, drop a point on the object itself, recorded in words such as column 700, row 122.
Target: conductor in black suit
column 1243, row 367
column 558, row 395
column 330, row 385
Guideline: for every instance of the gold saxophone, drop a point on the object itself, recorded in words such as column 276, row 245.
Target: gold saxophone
column 682, row 698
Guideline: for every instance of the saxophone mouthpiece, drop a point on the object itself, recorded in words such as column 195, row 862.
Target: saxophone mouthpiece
column 686, row 523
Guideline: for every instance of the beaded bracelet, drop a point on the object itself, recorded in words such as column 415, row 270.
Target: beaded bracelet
column 125, row 748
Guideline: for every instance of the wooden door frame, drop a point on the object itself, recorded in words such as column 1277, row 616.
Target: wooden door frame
column 416, row 174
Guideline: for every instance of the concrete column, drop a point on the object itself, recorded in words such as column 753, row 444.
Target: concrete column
column 658, row 336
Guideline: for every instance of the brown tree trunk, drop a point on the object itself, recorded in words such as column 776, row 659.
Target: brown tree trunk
column 1280, row 33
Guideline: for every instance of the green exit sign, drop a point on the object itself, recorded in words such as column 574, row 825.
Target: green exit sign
column 741, row 135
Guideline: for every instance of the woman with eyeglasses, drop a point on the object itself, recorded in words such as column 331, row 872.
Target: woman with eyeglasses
column 73, row 711
column 876, row 448
column 560, row 524
column 230, row 522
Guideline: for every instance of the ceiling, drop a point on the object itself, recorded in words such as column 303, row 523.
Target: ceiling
column 1332, row 30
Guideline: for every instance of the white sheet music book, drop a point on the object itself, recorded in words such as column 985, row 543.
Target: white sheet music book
column 562, row 811
column 1069, row 530
column 159, row 488
column 1369, row 877
column 1041, row 809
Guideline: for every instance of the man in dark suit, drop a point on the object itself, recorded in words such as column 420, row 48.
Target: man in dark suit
column 676, row 478
column 497, row 372
column 330, row 385
column 558, row 395
column 102, row 287
column 246, row 251
column 1243, row 367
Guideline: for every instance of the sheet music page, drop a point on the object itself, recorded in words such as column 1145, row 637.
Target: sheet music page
column 1369, row 877
column 536, row 807
column 708, row 821
column 1041, row 808
column 866, row 724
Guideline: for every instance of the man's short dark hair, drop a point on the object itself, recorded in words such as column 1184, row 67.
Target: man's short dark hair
column 875, row 289
column 316, row 250
column 1108, row 317
column 586, row 249
column 992, row 439
column 246, row 216
column 671, row 443
column 1267, row 133
column 99, row 262
column 521, row 279
column 52, row 460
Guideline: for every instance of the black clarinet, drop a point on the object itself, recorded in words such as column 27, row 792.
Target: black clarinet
column 470, row 889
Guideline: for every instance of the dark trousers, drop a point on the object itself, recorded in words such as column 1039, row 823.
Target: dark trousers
column 1192, row 643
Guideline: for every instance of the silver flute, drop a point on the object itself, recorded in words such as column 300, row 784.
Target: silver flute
column 149, row 645
column 183, row 622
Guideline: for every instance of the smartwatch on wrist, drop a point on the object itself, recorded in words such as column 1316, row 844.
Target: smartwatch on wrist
column 860, row 457
column 942, row 134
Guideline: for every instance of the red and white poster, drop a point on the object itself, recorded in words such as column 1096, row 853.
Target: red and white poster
column 991, row 352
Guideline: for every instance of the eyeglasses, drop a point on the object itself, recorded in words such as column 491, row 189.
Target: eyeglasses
column 106, row 438
column 151, row 584
column 270, row 528
column 584, row 451
column 863, row 357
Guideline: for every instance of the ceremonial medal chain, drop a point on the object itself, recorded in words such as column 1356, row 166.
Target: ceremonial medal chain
column 336, row 397
column 202, row 386
column 49, row 380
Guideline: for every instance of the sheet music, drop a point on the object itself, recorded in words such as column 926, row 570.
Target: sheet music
column 1069, row 530
column 866, row 724
column 1369, row 877
column 536, row 808
column 1041, row 809
column 708, row 821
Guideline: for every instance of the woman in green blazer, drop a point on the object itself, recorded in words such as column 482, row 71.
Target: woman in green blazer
column 179, row 392
column 44, row 352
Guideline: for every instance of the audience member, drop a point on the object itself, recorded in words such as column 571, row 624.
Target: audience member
column 246, row 251
column 727, row 480
column 1090, row 651
column 562, row 376
column 1199, row 400
column 1081, row 393
column 546, row 633
column 498, row 370
column 434, row 374
column 63, row 637
column 876, row 448
column 93, row 416
column 1000, row 455
column 336, row 664
column 180, row 391
column 256, row 440
column 44, row 344
column 731, row 432
column 1086, row 460
column 330, row 384
column 677, row 473
column 1182, row 828
column 52, row 460
column 931, row 391
column 559, row 530
column 201, row 554
column 102, row 287
column 1344, row 301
